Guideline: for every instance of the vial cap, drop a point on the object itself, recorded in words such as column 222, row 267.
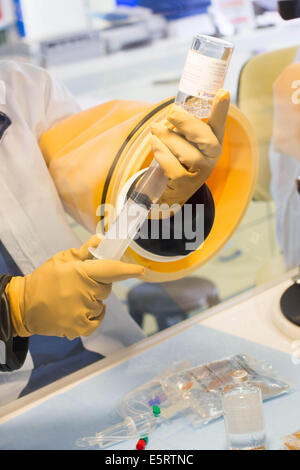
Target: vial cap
column 141, row 445
column 239, row 375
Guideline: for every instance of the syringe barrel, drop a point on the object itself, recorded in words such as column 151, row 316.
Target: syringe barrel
column 121, row 233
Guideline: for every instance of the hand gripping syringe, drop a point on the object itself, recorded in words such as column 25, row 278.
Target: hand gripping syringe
column 204, row 74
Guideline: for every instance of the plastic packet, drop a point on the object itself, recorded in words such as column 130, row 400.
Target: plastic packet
column 197, row 391
column 203, row 385
column 194, row 391
column 151, row 393
column 135, row 410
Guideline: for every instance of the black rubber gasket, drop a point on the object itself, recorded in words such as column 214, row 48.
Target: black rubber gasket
column 290, row 304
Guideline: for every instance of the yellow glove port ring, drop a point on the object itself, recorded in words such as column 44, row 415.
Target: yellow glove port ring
column 232, row 186
column 92, row 156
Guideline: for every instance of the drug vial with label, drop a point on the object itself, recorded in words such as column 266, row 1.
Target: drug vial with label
column 243, row 414
column 204, row 74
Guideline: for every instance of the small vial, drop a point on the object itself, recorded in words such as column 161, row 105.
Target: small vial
column 243, row 414
column 204, row 74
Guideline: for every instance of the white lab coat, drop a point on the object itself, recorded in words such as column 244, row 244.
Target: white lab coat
column 284, row 170
column 33, row 225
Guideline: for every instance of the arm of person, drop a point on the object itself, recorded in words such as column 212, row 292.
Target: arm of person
column 65, row 297
column 13, row 350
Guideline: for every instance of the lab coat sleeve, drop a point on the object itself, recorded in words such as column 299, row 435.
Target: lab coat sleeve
column 285, row 161
column 33, row 97
column 59, row 103
column 286, row 139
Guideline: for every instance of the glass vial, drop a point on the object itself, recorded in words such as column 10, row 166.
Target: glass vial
column 243, row 414
column 204, row 74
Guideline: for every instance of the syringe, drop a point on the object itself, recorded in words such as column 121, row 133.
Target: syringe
column 147, row 192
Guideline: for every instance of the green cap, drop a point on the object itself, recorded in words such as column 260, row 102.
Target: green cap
column 156, row 410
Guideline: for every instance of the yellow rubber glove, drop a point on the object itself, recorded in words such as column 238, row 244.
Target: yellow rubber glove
column 64, row 297
column 189, row 153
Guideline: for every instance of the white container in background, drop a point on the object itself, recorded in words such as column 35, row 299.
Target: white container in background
column 238, row 15
column 45, row 19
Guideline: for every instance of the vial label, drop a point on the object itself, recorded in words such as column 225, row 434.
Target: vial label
column 202, row 74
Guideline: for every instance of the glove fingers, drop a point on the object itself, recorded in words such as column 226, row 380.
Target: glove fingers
column 94, row 321
column 83, row 252
column 103, row 291
column 192, row 128
column 217, row 119
column 89, row 322
column 188, row 154
column 109, row 271
column 168, row 162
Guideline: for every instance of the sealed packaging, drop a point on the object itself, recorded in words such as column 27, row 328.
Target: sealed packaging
column 191, row 391
column 203, row 385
